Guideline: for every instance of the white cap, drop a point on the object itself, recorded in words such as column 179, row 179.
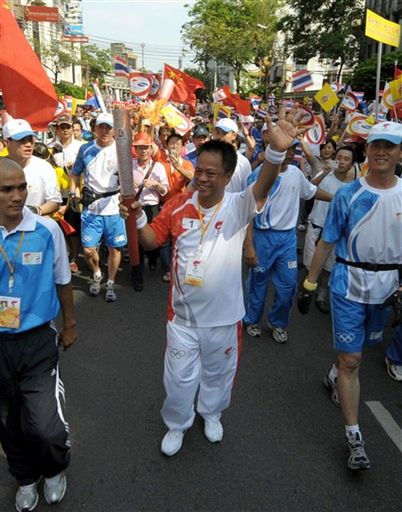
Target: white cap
column 227, row 125
column 388, row 130
column 17, row 129
column 104, row 119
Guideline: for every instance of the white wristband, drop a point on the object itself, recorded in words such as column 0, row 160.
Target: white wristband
column 142, row 221
column 274, row 157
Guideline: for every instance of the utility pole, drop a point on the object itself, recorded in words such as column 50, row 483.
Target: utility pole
column 142, row 55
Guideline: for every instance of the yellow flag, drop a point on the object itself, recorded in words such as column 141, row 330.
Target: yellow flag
column 387, row 101
column 326, row 98
column 221, row 111
column 396, row 89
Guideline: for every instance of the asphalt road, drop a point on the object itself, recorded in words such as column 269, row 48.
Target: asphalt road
column 283, row 445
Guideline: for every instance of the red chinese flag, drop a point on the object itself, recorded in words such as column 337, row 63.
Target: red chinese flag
column 185, row 85
column 27, row 91
column 241, row 106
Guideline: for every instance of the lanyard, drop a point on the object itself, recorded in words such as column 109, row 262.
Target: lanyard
column 11, row 266
column 204, row 228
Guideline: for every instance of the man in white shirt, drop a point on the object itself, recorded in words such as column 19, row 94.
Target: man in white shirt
column 364, row 221
column 206, row 300
column 65, row 159
column 270, row 249
column 64, row 136
column 43, row 193
column 226, row 130
column 331, row 182
column 97, row 162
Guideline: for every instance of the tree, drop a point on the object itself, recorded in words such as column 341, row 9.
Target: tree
column 95, row 62
column 56, row 57
column 332, row 30
column 229, row 31
column 364, row 75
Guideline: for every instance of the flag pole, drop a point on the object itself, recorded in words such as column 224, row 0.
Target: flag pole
column 378, row 78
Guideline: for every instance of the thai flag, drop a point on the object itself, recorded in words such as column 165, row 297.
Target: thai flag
column 261, row 113
column 255, row 102
column 301, row 80
column 359, row 95
column 271, row 100
column 120, row 66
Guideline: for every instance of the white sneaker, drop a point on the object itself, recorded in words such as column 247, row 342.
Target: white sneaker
column 394, row 370
column 278, row 334
column 27, row 497
column 172, row 442
column 55, row 488
column 110, row 295
column 213, row 431
column 254, row 330
column 95, row 285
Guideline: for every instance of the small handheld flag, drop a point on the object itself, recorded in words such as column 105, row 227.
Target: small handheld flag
column 301, row 80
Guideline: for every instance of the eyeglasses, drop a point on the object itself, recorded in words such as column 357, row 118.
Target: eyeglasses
column 64, row 126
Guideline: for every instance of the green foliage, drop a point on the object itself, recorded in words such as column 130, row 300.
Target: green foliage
column 95, row 62
column 364, row 75
column 76, row 91
column 332, row 30
column 56, row 57
column 227, row 31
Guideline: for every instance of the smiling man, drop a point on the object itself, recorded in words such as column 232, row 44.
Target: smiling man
column 34, row 282
column 43, row 193
column 206, row 300
column 364, row 222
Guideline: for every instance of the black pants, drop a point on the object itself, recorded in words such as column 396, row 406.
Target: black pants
column 150, row 212
column 33, row 432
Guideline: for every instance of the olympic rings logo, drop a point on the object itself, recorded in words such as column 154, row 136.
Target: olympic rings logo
column 344, row 337
column 177, row 354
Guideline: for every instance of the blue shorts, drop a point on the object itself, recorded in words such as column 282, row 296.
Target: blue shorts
column 355, row 325
column 111, row 227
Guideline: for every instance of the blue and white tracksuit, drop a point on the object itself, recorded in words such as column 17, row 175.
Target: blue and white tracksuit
column 275, row 243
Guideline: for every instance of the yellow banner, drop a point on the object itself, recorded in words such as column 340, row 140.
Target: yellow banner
column 326, row 98
column 396, row 89
column 221, row 111
column 382, row 30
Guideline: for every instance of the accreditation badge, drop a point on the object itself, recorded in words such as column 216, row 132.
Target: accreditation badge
column 10, row 312
column 195, row 270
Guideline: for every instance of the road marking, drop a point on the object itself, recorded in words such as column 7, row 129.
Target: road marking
column 387, row 422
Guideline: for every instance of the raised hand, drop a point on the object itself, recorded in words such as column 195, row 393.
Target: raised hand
column 282, row 133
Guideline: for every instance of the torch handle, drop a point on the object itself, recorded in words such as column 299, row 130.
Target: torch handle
column 132, row 233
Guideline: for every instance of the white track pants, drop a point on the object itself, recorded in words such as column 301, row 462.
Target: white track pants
column 204, row 358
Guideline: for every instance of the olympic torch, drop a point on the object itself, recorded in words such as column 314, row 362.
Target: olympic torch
column 123, row 138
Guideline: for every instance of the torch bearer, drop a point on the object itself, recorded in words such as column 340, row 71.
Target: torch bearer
column 123, row 138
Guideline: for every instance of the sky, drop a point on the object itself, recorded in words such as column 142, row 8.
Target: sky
column 155, row 23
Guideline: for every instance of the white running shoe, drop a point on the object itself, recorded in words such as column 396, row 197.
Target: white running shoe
column 110, row 295
column 213, row 431
column 95, row 285
column 27, row 497
column 254, row 330
column 55, row 488
column 172, row 442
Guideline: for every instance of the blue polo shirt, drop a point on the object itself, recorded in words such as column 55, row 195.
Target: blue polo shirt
column 42, row 262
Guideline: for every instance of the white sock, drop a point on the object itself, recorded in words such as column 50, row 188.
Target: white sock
column 333, row 373
column 110, row 282
column 98, row 274
column 353, row 432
